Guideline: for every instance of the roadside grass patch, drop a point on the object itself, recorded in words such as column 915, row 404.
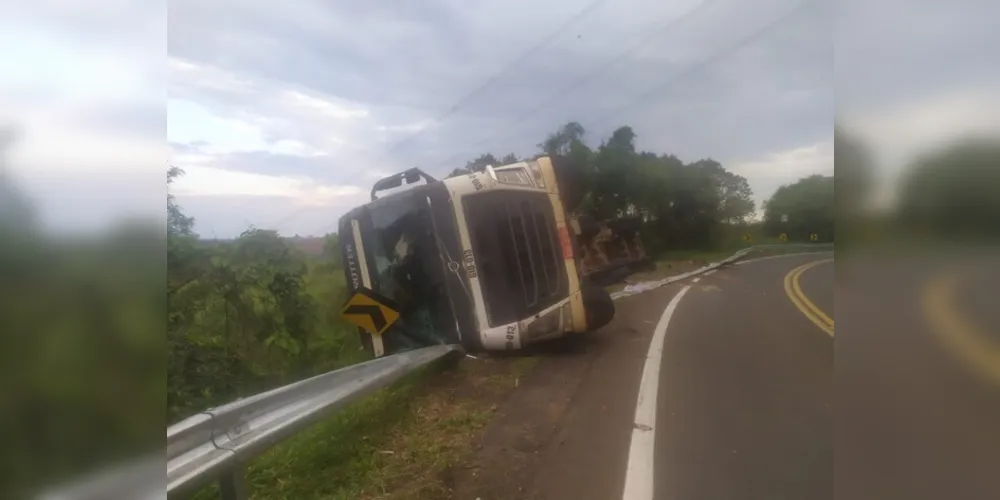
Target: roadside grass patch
column 401, row 443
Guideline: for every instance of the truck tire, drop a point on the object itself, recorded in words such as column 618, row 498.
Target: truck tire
column 598, row 306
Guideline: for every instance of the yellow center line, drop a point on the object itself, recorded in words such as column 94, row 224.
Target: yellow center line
column 972, row 347
column 802, row 296
column 808, row 309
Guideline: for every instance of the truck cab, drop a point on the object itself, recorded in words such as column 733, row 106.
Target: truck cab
column 485, row 259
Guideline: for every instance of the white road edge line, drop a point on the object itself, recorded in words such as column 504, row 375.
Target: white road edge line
column 695, row 280
column 639, row 473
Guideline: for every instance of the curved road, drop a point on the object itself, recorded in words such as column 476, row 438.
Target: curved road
column 741, row 406
column 734, row 374
column 745, row 405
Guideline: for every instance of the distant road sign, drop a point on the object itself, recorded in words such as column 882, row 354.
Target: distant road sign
column 746, row 237
column 783, row 237
column 813, row 237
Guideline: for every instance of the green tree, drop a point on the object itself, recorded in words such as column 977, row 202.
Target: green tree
column 560, row 142
column 457, row 172
column 682, row 205
column 568, row 141
column 735, row 196
column 802, row 208
column 480, row 164
column 185, row 261
column 178, row 224
column 616, row 165
column 248, row 314
column 331, row 251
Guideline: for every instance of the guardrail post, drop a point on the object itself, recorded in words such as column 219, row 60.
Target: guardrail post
column 233, row 484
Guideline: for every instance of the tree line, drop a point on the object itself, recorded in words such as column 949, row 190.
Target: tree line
column 248, row 314
column 696, row 205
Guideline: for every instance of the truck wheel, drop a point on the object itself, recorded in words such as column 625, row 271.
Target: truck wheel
column 598, row 305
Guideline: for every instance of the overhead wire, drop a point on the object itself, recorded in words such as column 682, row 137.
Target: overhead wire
column 576, row 84
column 745, row 41
column 659, row 88
column 599, row 71
column 454, row 108
column 503, row 72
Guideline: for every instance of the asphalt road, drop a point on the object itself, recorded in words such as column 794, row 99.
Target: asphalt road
column 743, row 390
column 745, row 405
column 743, row 396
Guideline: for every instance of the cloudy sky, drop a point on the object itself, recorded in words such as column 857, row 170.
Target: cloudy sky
column 284, row 114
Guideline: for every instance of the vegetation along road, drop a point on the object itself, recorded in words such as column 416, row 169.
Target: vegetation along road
column 253, row 312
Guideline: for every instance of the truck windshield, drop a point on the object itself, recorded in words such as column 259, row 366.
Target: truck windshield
column 408, row 269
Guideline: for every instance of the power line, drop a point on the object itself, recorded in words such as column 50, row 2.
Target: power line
column 524, row 56
column 754, row 37
column 468, row 97
column 576, row 84
column 672, row 23
column 659, row 88
column 706, row 62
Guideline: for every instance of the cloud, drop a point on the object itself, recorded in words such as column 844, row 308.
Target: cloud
column 779, row 168
column 209, row 181
column 345, row 93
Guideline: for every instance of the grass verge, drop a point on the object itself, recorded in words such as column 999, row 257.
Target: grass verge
column 401, row 443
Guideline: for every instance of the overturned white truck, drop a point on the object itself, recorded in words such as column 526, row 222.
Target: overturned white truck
column 487, row 260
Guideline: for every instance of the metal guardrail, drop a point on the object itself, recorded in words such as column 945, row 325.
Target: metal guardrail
column 217, row 443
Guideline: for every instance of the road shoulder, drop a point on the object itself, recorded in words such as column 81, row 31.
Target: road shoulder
column 551, row 440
